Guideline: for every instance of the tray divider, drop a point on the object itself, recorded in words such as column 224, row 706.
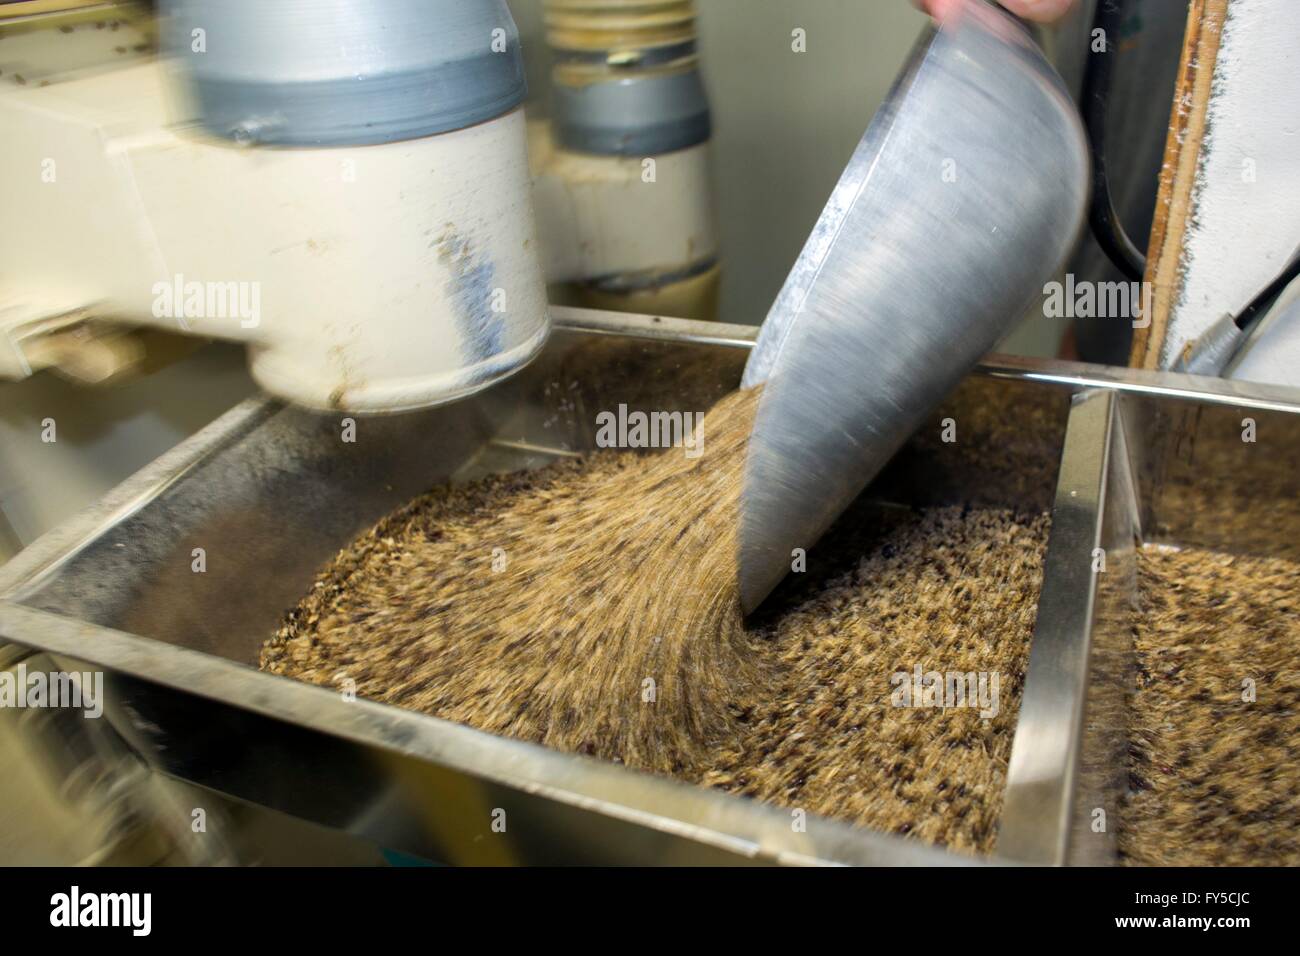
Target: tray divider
column 1066, row 773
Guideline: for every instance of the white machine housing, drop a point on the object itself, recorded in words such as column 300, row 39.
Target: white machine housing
column 366, row 278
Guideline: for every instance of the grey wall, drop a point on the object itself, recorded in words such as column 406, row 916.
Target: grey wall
column 788, row 122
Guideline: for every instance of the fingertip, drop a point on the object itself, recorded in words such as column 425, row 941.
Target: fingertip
column 1040, row 11
column 943, row 11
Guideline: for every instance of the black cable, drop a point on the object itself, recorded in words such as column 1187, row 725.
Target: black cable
column 1105, row 222
column 1247, row 315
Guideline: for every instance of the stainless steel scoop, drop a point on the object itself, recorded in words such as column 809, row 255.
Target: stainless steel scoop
column 962, row 199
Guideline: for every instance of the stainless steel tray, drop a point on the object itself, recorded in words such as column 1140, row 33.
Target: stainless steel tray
column 271, row 493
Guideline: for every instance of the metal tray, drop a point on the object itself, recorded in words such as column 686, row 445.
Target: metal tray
column 271, row 493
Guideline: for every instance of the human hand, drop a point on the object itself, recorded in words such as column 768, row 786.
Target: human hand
column 1044, row 11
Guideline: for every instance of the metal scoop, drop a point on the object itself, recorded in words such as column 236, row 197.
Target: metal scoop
column 962, row 199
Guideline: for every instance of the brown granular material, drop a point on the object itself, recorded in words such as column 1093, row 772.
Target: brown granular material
column 611, row 627
column 1214, row 778
column 610, row 573
column 948, row 590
